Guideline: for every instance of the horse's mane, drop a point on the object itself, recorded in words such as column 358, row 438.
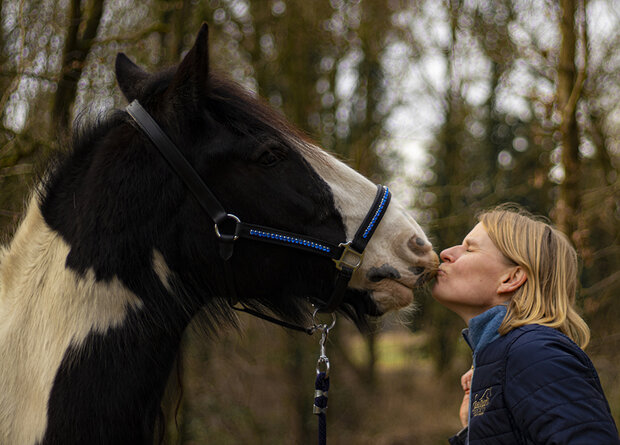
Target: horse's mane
column 87, row 132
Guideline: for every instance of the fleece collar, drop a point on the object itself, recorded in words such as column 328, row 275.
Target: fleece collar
column 483, row 328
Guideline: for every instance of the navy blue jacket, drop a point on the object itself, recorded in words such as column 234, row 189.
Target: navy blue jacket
column 535, row 386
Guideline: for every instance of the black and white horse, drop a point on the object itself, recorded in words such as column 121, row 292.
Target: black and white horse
column 114, row 256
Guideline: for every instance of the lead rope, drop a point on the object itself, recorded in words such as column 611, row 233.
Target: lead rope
column 321, row 386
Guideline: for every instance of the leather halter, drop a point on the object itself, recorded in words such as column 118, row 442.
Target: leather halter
column 347, row 256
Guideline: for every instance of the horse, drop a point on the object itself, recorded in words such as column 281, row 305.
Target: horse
column 114, row 256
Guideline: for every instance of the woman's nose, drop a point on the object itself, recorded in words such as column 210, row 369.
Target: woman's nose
column 447, row 255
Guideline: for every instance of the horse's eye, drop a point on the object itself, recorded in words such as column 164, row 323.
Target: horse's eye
column 269, row 157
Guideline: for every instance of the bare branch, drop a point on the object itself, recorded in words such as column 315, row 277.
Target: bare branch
column 16, row 170
column 605, row 283
column 27, row 74
column 136, row 37
column 575, row 94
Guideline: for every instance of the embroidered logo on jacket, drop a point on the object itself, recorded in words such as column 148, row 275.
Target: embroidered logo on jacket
column 480, row 402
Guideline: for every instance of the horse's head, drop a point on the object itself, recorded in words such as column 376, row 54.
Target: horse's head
column 265, row 173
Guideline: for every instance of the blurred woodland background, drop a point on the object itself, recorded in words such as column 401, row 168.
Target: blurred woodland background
column 457, row 105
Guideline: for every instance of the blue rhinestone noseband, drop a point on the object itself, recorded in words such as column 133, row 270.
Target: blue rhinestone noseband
column 378, row 214
column 289, row 239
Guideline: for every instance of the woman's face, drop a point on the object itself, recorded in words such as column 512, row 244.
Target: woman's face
column 472, row 276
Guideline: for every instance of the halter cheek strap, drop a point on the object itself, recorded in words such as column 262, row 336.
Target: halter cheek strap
column 351, row 253
column 347, row 256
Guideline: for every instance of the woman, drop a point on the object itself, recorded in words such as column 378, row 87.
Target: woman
column 513, row 280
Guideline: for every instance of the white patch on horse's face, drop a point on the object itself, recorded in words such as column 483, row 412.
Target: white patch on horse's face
column 45, row 308
column 398, row 244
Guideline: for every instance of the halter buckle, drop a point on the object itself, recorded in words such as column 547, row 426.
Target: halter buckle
column 350, row 258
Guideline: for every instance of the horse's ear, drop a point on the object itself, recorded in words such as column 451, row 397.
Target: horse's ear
column 192, row 74
column 130, row 77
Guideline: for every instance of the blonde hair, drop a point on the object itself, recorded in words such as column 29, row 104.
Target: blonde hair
column 550, row 263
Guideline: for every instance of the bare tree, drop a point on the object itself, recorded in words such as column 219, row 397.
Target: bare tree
column 569, row 85
column 81, row 33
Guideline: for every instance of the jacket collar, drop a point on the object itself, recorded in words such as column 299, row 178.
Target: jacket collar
column 483, row 328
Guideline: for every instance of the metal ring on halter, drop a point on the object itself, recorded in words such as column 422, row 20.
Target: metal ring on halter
column 235, row 237
column 316, row 325
column 325, row 360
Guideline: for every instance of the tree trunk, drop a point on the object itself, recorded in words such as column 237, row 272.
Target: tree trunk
column 448, row 187
column 74, row 55
column 176, row 18
column 569, row 201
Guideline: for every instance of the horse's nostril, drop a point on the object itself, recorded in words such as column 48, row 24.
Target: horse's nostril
column 418, row 245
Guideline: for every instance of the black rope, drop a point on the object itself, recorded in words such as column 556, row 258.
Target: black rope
column 320, row 404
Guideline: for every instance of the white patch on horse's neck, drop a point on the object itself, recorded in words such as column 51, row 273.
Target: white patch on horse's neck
column 45, row 308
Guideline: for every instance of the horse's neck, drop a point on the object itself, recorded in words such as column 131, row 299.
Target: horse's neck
column 75, row 353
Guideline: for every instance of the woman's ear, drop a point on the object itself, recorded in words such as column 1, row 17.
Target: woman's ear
column 512, row 280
